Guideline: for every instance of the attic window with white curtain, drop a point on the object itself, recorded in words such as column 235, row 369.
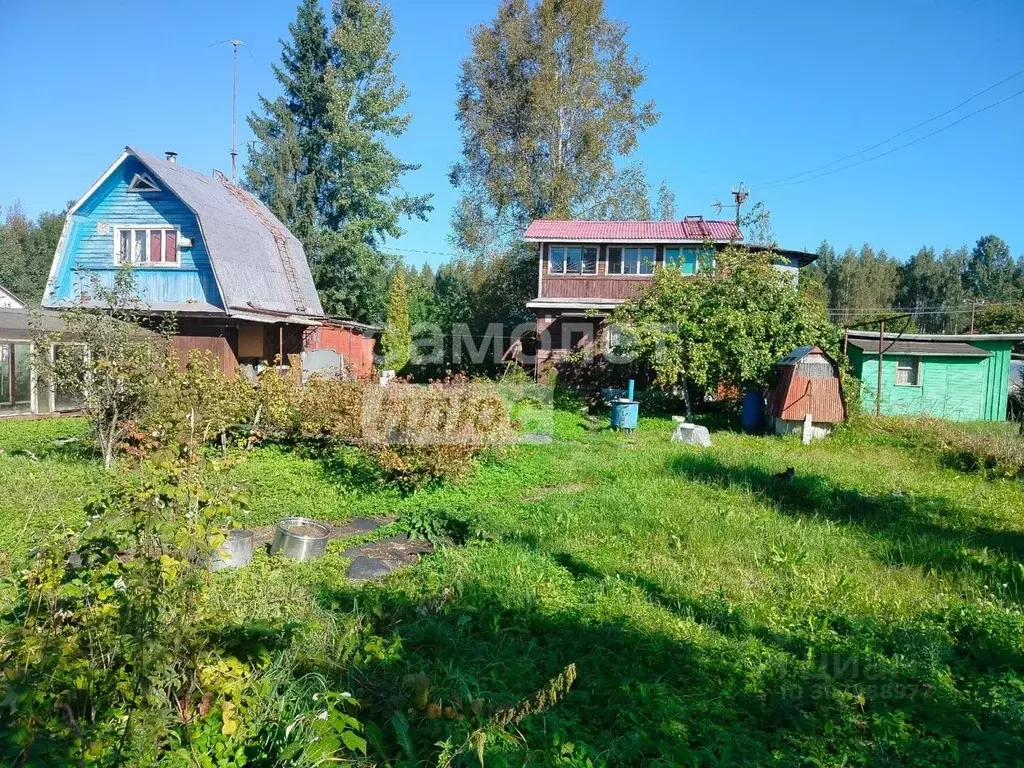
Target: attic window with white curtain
column 150, row 246
column 141, row 182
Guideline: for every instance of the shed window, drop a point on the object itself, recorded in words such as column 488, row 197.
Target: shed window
column 573, row 259
column 15, row 377
column 907, row 370
column 145, row 245
column 630, row 261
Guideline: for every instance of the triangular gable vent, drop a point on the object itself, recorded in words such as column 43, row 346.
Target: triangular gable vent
column 141, row 182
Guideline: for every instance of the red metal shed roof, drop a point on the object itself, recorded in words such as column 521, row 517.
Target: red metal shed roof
column 690, row 229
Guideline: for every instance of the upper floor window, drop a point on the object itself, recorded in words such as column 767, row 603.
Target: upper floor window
column 573, row 259
column 146, row 245
column 684, row 259
column 630, row 261
column 141, row 182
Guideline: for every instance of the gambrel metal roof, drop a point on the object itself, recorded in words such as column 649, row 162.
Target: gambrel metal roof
column 260, row 266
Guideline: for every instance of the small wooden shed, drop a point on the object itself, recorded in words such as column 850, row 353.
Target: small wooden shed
column 808, row 386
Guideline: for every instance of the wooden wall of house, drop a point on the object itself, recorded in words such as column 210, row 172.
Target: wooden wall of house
column 597, row 286
column 219, row 346
column 89, row 248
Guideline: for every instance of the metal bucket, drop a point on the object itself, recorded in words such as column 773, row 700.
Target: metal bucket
column 300, row 538
column 235, row 552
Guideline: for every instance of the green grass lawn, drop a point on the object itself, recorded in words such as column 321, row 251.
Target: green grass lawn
column 868, row 612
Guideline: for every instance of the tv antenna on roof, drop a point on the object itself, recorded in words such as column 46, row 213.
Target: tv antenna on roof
column 740, row 193
column 235, row 43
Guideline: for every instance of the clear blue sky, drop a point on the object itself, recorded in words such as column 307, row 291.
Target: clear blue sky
column 748, row 91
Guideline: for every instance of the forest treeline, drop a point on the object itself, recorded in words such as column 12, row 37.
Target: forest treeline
column 948, row 291
column 943, row 289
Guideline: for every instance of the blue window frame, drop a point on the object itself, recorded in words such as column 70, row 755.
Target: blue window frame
column 683, row 259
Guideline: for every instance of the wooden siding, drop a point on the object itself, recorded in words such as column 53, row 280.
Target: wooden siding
column 997, row 380
column 88, row 249
column 219, row 346
column 589, row 287
column 955, row 388
column 598, row 286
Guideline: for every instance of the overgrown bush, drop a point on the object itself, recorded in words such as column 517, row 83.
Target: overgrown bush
column 413, row 433
column 191, row 398
column 109, row 362
column 113, row 654
column 109, row 656
column 995, row 449
column 422, row 433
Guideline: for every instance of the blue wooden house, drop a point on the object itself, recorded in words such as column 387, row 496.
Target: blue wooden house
column 199, row 247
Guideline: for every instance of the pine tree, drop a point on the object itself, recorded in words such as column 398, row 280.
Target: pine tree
column 287, row 167
column 396, row 341
column 322, row 163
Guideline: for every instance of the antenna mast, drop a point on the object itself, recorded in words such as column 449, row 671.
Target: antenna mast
column 740, row 195
column 234, row 102
column 235, row 44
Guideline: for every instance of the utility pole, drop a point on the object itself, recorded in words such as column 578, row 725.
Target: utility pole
column 878, row 392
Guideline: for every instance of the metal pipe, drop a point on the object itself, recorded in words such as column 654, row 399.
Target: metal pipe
column 878, row 393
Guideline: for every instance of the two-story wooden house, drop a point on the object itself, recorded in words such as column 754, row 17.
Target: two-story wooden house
column 200, row 247
column 586, row 268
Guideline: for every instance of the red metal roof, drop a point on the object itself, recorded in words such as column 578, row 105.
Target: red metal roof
column 640, row 231
column 796, row 396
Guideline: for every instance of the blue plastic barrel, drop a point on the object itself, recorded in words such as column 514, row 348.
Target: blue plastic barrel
column 625, row 414
column 753, row 412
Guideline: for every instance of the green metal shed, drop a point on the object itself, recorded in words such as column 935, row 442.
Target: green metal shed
column 961, row 378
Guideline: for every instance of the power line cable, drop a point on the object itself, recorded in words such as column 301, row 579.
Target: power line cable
column 895, row 135
column 896, row 149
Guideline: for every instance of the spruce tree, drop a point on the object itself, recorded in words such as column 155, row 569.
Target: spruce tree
column 321, row 161
column 396, row 342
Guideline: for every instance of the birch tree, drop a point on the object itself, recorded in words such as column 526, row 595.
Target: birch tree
column 548, row 102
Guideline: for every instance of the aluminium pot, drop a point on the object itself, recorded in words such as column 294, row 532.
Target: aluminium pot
column 300, row 538
column 235, row 552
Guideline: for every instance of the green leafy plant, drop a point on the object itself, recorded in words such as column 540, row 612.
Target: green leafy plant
column 110, row 360
column 729, row 323
column 109, row 651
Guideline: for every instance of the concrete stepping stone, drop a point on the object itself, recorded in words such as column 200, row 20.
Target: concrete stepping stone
column 377, row 558
column 359, row 526
column 367, row 568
